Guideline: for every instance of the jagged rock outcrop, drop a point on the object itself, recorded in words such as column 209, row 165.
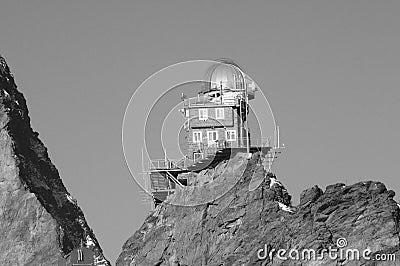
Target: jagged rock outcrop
column 248, row 227
column 40, row 220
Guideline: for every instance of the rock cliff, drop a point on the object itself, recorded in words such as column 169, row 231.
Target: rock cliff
column 40, row 220
column 246, row 227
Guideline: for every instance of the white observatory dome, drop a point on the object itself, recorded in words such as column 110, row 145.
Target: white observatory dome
column 229, row 75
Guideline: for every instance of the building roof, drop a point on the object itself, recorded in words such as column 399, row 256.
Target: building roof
column 227, row 75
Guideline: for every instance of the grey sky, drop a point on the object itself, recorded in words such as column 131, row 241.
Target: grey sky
column 330, row 70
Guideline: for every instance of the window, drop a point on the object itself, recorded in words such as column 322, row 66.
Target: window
column 219, row 113
column 203, row 114
column 230, row 135
column 212, row 137
column 197, row 136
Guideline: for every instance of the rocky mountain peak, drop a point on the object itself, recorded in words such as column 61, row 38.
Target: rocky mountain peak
column 41, row 221
column 242, row 224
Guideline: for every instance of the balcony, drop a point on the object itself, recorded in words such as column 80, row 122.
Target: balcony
column 204, row 101
column 207, row 151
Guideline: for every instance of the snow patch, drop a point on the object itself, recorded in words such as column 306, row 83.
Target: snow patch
column 398, row 205
column 71, row 199
column 89, row 241
column 100, row 261
column 81, row 222
column 283, row 207
column 274, row 181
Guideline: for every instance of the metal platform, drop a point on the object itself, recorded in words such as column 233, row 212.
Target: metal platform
column 163, row 174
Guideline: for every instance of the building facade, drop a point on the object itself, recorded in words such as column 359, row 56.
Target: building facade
column 216, row 118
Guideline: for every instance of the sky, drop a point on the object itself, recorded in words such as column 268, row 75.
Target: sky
column 330, row 71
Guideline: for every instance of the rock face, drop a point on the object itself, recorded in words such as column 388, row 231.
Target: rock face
column 40, row 221
column 249, row 227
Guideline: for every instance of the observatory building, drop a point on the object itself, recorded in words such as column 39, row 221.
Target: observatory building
column 216, row 124
column 217, row 117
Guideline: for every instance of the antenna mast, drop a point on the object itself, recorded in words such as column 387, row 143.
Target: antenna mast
column 246, row 113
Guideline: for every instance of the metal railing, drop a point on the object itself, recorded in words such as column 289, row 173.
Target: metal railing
column 161, row 164
column 206, row 150
column 166, row 164
column 204, row 100
column 221, row 144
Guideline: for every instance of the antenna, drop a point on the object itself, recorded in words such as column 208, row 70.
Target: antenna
column 277, row 132
column 221, row 90
column 246, row 95
column 276, row 149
